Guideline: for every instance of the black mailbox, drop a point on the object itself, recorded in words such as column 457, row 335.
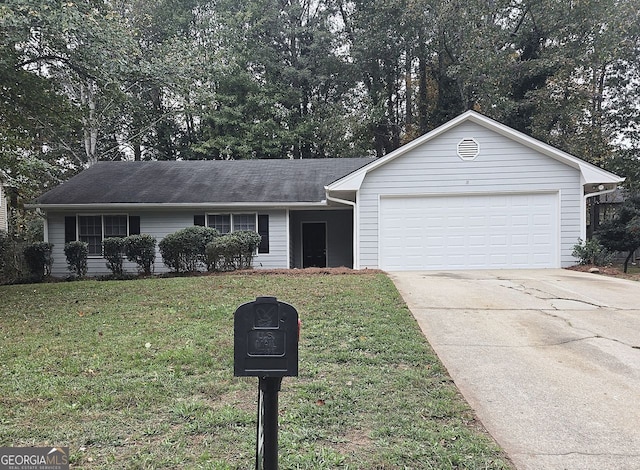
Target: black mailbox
column 265, row 339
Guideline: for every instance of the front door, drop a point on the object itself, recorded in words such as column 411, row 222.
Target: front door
column 314, row 244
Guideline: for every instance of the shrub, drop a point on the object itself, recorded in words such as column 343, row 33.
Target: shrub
column 223, row 253
column 249, row 242
column 141, row 249
column 592, row 252
column 232, row 251
column 38, row 259
column 6, row 249
column 185, row 250
column 215, row 260
column 77, row 254
column 12, row 264
column 112, row 249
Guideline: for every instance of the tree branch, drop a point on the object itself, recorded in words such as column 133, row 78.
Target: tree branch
column 53, row 58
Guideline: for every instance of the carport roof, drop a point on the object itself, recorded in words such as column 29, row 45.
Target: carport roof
column 201, row 182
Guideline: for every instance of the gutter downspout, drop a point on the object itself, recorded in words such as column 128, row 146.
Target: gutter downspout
column 356, row 260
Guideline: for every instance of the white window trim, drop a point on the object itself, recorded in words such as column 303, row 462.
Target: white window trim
column 231, row 215
column 101, row 215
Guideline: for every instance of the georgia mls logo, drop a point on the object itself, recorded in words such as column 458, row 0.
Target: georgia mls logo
column 34, row 458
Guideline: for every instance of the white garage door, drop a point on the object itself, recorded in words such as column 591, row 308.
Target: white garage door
column 469, row 232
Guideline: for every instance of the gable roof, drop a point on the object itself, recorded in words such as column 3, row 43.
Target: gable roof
column 591, row 174
column 249, row 182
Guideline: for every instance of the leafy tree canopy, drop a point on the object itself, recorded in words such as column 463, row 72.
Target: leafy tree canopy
column 196, row 79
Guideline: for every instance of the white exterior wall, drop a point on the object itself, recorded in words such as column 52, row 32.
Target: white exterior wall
column 278, row 256
column 503, row 166
column 54, row 233
column 159, row 224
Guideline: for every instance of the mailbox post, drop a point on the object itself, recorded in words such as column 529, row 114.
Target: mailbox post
column 265, row 345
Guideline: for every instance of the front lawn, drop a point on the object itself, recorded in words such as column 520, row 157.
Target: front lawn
column 139, row 374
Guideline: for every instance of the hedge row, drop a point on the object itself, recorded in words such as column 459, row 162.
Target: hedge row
column 194, row 248
column 21, row 261
column 141, row 249
column 32, row 262
column 187, row 250
column 232, row 251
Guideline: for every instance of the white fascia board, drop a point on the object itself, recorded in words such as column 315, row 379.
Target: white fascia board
column 353, row 181
column 160, row 206
column 591, row 174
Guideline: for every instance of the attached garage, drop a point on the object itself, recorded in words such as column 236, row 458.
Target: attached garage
column 469, row 232
column 471, row 194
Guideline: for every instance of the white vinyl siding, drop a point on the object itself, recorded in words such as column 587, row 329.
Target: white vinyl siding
column 278, row 256
column 434, row 168
column 161, row 223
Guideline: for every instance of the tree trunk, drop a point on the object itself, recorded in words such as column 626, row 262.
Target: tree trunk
column 408, row 84
column 137, row 151
column 89, row 122
column 626, row 261
column 423, row 94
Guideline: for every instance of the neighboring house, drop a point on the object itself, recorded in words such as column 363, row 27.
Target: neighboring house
column 4, row 211
column 471, row 194
column 603, row 208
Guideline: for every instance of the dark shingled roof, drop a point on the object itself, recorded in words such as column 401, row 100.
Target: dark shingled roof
column 184, row 182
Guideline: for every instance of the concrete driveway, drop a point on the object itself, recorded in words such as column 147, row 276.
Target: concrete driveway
column 548, row 359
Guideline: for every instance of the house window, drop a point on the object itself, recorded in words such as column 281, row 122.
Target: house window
column 221, row 222
column 115, row 226
column 227, row 223
column 199, row 220
column 244, row 222
column 92, row 229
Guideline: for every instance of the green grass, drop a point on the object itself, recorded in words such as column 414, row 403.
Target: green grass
column 139, row 374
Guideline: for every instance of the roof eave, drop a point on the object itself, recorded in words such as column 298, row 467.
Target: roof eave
column 353, row 181
column 182, row 205
column 591, row 174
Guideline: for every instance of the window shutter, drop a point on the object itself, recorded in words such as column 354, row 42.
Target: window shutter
column 263, row 231
column 198, row 220
column 134, row 225
column 70, row 229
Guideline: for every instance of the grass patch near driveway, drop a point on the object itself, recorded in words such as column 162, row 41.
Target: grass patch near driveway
column 139, row 374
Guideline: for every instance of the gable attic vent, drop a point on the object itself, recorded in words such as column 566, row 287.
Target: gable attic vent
column 468, row 149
